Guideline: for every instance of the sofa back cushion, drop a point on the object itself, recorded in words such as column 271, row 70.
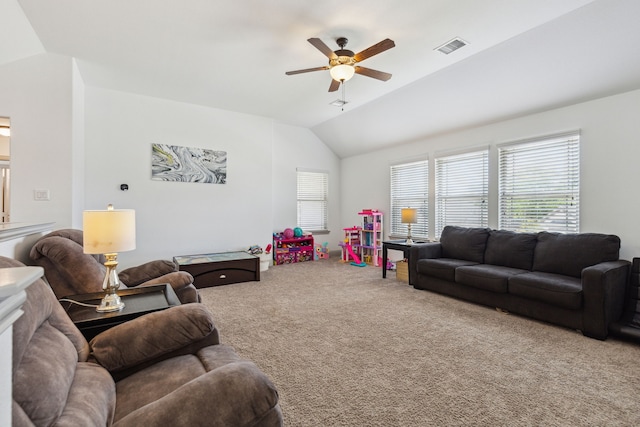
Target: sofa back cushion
column 464, row 243
column 52, row 382
column 569, row 254
column 67, row 268
column 510, row 249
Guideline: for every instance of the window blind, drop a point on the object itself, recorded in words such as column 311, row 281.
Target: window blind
column 410, row 189
column 313, row 191
column 539, row 185
column 462, row 189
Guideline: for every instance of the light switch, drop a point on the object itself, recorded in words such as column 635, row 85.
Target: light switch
column 41, row 195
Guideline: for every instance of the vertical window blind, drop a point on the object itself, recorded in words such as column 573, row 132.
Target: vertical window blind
column 313, row 191
column 539, row 184
column 410, row 189
column 462, row 190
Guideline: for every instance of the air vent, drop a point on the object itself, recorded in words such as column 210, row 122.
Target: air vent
column 452, row 45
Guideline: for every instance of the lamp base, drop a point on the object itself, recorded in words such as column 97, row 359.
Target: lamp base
column 110, row 302
column 408, row 241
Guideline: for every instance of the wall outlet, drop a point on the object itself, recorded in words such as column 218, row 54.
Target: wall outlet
column 41, row 195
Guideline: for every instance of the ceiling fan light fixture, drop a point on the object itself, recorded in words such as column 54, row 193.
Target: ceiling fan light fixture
column 342, row 72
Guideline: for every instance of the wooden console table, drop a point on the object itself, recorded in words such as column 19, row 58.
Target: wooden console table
column 220, row 268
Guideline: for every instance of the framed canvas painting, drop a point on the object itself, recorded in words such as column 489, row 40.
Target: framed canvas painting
column 188, row 164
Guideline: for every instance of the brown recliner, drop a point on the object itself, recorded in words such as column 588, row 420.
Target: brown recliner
column 70, row 271
column 161, row 369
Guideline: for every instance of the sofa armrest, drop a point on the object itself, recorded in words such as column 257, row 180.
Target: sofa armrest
column 177, row 280
column 182, row 284
column 134, row 276
column 235, row 394
column 603, row 286
column 421, row 251
column 153, row 337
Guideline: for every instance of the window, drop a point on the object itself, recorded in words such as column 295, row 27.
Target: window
column 313, row 189
column 539, row 183
column 462, row 187
column 410, row 189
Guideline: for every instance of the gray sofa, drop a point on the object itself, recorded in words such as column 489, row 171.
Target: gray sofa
column 572, row 280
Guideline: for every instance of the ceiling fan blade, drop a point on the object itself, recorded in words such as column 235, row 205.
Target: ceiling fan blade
column 380, row 75
column 377, row 48
column 326, row 50
column 306, row 70
column 335, row 85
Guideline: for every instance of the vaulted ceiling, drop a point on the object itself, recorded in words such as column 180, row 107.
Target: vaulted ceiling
column 522, row 56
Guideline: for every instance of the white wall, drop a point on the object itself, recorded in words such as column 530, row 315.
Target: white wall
column 178, row 218
column 81, row 143
column 35, row 93
column 296, row 147
column 609, row 164
column 77, row 147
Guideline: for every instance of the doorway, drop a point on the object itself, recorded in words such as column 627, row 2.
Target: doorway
column 5, row 171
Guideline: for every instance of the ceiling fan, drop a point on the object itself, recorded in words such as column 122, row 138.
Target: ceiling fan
column 342, row 62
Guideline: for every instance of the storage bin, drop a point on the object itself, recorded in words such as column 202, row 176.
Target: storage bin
column 402, row 271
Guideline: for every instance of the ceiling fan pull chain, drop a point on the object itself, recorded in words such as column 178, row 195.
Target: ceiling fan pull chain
column 344, row 100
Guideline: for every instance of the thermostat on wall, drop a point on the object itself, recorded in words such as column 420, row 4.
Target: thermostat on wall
column 41, row 195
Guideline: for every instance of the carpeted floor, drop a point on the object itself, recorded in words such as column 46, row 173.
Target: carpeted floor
column 348, row 348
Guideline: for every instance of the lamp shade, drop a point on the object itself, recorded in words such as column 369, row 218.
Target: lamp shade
column 342, row 72
column 409, row 215
column 109, row 231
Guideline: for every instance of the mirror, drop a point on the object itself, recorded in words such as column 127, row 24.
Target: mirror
column 5, row 150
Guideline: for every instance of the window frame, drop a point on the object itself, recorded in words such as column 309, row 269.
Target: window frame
column 540, row 176
column 462, row 186
column 308, row 216
column 404, row 194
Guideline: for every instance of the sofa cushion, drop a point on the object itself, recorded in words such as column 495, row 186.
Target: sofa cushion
column 555, row 289
column 241, row 394
column 488, row 277
column 510, row 249
column 91, row 399
column 569, row 254
column 52, row 382
column 165, row 331
column 464, row 243
column 442, row 268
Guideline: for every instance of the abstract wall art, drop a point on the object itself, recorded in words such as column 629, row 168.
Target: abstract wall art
column 188, row 164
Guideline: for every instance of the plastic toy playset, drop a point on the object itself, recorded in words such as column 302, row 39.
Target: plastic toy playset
column 362, row 245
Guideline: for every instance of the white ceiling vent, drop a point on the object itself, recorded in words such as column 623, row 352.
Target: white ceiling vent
column 451, row 45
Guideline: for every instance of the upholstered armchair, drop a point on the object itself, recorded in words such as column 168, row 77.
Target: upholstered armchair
column 162, row 369
column 70, row 271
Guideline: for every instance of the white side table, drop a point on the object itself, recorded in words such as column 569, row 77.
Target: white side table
column 13, row 282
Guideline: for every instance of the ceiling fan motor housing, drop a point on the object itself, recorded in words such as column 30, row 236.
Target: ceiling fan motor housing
column 344, row 57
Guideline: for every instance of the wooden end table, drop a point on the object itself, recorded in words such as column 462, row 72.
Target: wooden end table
column 398, row 245
column 137, row 302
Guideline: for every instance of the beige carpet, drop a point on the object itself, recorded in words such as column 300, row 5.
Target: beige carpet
column 347, row 348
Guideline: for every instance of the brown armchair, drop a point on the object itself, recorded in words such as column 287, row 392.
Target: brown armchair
column 70, row 271
column 164, row 368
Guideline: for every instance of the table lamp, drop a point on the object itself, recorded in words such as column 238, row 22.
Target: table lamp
column 408, row 216
column 108, row 232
